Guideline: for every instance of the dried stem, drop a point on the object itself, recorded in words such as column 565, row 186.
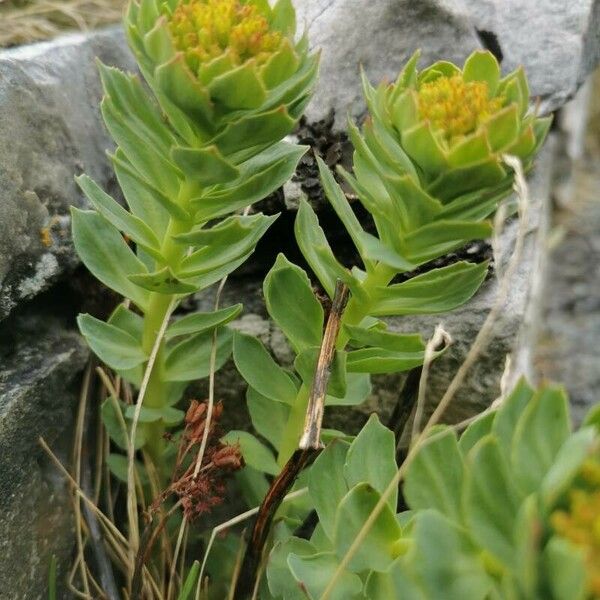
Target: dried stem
column 309, row 447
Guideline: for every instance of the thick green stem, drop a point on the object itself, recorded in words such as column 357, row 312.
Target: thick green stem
column 357, row 309
column 156, row 392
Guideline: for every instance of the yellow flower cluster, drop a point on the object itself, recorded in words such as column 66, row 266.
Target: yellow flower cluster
column 205, row 29
column 580, row 522
column 456, row 107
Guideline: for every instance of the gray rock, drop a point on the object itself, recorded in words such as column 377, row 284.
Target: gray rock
column 40, row 361
column 557, row 42
column 50, row 130
column 567, row 350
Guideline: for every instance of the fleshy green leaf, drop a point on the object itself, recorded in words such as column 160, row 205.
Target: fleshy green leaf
column 206, row 166
column 313, row 574
column 372, row 458
column 281, row 582
column 483, row 66
column 292, row 304
column 255, row 454
column 261, row 372
column 163, row 281
column 201, row 322
column 564, row 566
column 190, row 359
column 240, row 88
column 116, row 426
column 327, row 485
column 379, row 548
column 268, row 418
column 434, row 477
column 541, row 431
column 439, row 290
column 105, row 253
column 115, row 347
column 491, row 500
column 169, row 415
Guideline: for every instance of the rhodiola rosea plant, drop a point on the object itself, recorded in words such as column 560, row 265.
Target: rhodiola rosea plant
column 429, row 169
column 226, row 82
column 199, row 142
column 508, row 509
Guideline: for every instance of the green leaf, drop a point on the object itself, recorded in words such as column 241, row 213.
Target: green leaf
column 281, row 582
column 260, row 371
column 268, row 418
column 202, row 322
column 445, row 562
column 396, row 582
column 358, row 388
column 205, row 166
column 293, row 305
column 438, row 290
column 146, row 202
column 113, row 212
column 240, row 88
column 479, row 428
column 163, row 281
column 318, row 254
column 116, row 427
column 541, row 431
column 509, row 413
column 565, row 569
column 327, row 485
column 115, row 347
column 438, row 238
column 380, row 360
column 340, row 204
column 260, row 176
column 483, row 66
column 151, row 165
column 434, row 478
column 313, row 574
column 105, row 253
column 234, row 238
column 281, row 66
column 491, row 500
column 255, row 454
column 422, row 146
column 372, row 459
column 117, row 464
column 284, row 17
column 189, row 585
column 379, row 548
column 190, row 359
column 167, row 414
column 258, row 129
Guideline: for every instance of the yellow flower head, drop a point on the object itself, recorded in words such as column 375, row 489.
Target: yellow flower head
column 205, row 29
column 580, row 522
column 456, row 107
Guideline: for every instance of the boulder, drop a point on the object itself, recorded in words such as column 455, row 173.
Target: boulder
column 39, row 386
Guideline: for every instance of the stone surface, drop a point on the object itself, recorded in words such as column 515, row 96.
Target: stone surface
column 568, row 348
column 40, row 360
column 558, row 42
column 50, row 130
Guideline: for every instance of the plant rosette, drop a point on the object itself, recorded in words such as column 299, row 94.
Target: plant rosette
column 510, row 509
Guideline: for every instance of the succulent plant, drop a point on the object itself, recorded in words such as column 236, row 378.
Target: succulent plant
column 227, row 73
column 227, row 83
column 511, row 509
column 448, row 128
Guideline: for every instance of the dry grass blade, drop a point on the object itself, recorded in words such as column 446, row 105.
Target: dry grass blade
column 21, row 23
column 520, row 187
